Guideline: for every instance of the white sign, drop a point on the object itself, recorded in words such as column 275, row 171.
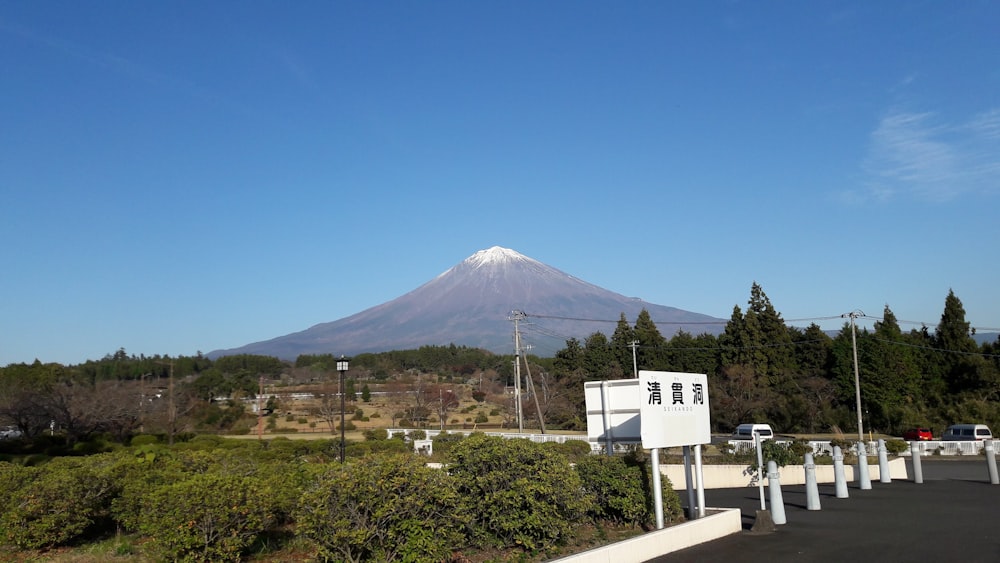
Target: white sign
column 612, row 410
column 673, row 409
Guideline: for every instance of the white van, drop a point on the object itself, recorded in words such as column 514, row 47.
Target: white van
column 745, row 431
column 957, row 432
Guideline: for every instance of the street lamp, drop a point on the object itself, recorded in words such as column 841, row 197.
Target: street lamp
column 342, row 368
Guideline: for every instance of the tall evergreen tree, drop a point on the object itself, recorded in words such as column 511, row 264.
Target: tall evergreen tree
column 734, row 341
column 621, row 342
column 686, row 353
column 599, row 360
column 652, row 344
column 770, row 336
column 965, row 369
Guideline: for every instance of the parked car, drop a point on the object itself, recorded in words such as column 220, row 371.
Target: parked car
column 918, row 434
column 960, row 432
column 746, row 431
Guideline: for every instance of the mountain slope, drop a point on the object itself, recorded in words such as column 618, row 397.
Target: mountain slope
column 470, row 303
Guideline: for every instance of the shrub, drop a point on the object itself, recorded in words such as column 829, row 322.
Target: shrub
column 521, row 493
column 376, row 434
column 144, row 439
column 895, row 447
column 208, row 516
column 778, row 452
column 444, row 442
column 382, row 508
column 481, row 418
column 799, row 447
column 57, row 503
column 572, row 449
column 621, row 491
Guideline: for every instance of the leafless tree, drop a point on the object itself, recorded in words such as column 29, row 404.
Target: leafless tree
column 327, row 406
column 448, row 399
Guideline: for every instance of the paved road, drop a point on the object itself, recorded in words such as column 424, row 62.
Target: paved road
column 953, row 516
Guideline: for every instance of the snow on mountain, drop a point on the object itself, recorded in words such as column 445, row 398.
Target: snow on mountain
column 470, row 304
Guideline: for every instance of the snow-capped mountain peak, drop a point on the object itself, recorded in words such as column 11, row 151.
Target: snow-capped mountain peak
column 495, row 256
column 469, row 305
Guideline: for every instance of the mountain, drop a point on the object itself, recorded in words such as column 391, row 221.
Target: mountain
column 472, row 303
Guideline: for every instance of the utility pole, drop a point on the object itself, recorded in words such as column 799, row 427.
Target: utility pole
column 171, row 411
column 635, row 366
column 516, row 316
column 260, row 408
column 857, row 379
column 534, row 394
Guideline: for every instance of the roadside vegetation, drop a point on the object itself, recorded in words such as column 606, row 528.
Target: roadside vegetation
column 215, row 499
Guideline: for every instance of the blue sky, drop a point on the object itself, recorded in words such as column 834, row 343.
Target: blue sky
column 179, row 177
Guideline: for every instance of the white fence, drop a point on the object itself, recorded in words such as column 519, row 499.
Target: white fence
column 819, row 447
column 540, row 438
column 928, row 447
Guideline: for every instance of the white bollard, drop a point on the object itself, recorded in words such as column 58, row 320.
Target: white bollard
column 991, row 462
column 883, row 463
column 774, row 493
column 812, row 490
column 864, row 482
column 839, row 477
column 918, row 472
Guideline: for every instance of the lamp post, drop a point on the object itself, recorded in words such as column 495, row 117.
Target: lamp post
column 342, row 368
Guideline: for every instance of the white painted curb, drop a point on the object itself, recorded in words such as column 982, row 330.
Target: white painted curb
column 717, row 523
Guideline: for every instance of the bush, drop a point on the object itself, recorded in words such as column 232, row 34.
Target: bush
column 382, row 508
column 572, row 449
column 144, row 439
column 520, row 493
column 208, row 516
column 780, row 453
column 376, row 434
column 621, row 490
column 444, row 442
column 57, row 503
column 481, row 418
column 895, row 447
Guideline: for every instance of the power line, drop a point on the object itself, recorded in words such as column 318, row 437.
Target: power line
column 722, row 322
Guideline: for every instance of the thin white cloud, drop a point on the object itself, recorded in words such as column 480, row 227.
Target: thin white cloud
column 916, row 155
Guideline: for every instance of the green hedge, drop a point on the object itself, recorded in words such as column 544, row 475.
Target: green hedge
column 208, row 516
column 520, row 493
column 386, row 507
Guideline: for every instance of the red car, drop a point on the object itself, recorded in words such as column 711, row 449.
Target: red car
column 918, row 434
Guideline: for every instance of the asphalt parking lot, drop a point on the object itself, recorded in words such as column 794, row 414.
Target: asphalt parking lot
column 954, row 515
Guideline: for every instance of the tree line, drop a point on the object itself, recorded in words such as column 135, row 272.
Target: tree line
column 802, row 380
column 760, row 370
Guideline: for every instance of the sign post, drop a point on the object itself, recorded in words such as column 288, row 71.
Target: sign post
column 659, row 409
column 674, row 411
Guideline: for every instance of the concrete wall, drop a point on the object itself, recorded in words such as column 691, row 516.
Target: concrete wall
column 717, row 523
column 733, row 476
